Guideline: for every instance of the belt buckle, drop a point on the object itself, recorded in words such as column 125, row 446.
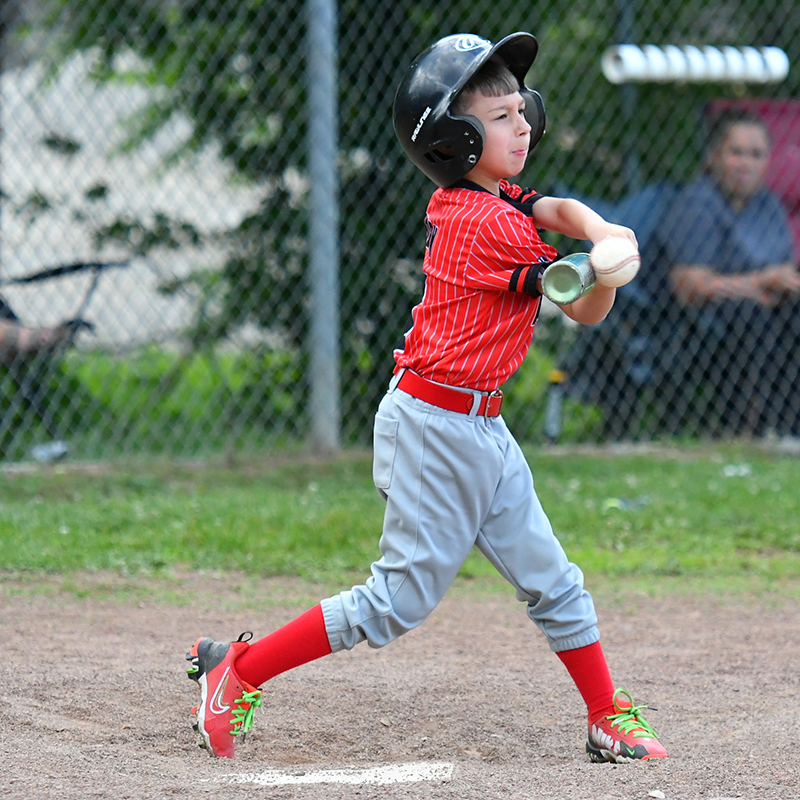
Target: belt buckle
column 497, row 393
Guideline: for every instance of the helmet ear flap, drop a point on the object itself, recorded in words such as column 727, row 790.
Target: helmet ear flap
column 534, row 113
column 473, row 136
column 454, row 154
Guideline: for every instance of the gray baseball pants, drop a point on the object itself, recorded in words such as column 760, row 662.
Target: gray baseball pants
column 452, row 481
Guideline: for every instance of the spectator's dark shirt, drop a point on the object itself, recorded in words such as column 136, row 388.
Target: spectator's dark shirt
column 700, row 228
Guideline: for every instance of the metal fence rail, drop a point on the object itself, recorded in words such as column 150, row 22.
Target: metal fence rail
column 236, row 163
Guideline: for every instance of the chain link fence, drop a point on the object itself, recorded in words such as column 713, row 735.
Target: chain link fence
column 158, row 184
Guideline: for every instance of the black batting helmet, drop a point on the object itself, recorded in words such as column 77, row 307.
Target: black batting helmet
column 447, row 147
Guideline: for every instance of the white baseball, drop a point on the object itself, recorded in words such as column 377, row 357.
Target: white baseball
column 615, row 261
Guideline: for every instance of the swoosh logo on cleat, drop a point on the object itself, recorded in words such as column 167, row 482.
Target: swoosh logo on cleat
column 216, row 705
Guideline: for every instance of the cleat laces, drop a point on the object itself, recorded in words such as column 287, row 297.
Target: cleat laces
column 630, row 719
column 242, row 715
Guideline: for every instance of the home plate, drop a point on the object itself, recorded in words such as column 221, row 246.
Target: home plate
column 391, row 773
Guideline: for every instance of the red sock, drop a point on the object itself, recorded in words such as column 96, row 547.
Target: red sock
column 587, row 666
column 298, row 642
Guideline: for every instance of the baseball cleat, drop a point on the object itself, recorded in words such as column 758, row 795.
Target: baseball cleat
column 623, row 736
column 227, row 703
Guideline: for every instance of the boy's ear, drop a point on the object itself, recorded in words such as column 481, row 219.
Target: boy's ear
column 534, row 113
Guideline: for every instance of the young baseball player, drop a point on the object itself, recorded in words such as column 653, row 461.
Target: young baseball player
column 451, row 472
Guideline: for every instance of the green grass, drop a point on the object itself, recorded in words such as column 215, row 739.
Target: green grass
column 711, row 518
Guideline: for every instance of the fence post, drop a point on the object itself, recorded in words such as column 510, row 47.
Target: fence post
column 322, row 147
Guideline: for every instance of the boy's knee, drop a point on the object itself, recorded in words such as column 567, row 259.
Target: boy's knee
column 358, row 615
column 565, row 614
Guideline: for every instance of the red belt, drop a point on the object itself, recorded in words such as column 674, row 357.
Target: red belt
column 445, row 397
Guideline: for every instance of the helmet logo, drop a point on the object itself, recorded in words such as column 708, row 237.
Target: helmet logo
column 469, row 42
column 421, row 122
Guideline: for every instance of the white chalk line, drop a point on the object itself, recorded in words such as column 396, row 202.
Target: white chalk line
column 390, row 773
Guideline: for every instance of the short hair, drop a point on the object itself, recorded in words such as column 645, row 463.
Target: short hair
column 722, row 123
column 493, row 79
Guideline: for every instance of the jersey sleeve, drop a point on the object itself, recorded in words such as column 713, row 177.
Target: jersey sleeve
column 508, row 254
column 519, row 198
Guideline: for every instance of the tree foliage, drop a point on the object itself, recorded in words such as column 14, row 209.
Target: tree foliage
column 236, row 71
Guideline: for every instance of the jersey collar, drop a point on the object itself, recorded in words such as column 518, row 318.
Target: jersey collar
column 465, row 184
column 524, row 206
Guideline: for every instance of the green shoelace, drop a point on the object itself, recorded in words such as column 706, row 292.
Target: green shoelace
column 629, row 719
column 242, row 718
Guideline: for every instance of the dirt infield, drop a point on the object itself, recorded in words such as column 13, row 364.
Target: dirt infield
column 94, row 703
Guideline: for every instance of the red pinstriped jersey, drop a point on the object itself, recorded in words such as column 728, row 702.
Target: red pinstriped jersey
column 475, row 321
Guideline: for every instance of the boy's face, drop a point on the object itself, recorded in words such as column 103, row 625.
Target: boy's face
column 508, row 134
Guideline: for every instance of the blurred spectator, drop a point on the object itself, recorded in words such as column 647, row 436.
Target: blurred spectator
column 725, row 253
column 18, row 341
column 27, row 367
